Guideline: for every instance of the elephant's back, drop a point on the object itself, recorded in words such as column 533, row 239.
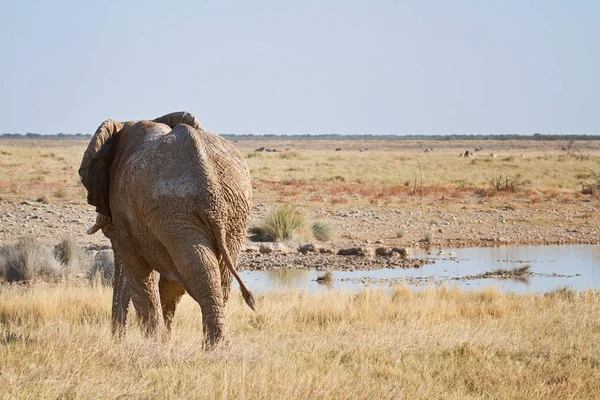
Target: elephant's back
column 215, row 160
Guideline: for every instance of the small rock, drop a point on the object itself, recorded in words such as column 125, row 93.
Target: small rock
column 401, row 251
column 355, row 251
column 383, row 251
column 250, row 248
column 266, row 248
column 307, row 248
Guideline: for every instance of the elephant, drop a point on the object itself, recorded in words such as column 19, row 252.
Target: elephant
column 174, row 199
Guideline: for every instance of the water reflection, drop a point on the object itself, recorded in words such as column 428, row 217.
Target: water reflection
column 288, row 277
column 577, row 267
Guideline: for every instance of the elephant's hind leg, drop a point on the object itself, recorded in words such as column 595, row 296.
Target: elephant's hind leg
column 198, row 266
column 170, row 294
column 143, row 289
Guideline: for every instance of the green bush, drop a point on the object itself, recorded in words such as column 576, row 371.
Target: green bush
column 283, row 223
column 322, row 231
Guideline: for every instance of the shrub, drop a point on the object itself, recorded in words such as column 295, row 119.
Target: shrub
column 75, row 259
column 337, row 178
column 506, row 183
column 593, row 187
column 322, row 231
column 60, row 193
column 103, row 268
column 282, row 223
column 428, row 236
column 27, row 260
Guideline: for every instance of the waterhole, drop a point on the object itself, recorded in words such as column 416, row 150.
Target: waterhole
column 550, row 267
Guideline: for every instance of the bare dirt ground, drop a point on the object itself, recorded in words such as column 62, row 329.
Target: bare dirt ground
column 536, row 216
column 457, row 226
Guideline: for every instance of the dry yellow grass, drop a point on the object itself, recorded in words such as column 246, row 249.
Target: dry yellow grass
column 313, row 171
column 551, row 171
column 47, row 172
column 55, row 342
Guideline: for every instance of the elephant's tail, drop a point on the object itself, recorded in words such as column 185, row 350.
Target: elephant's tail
column 248, row 297
column 222, row 246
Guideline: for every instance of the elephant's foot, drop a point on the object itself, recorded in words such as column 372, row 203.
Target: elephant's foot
column 214, row 328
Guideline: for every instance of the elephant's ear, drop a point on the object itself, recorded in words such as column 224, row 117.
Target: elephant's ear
column 96, row 164
column 180, row 117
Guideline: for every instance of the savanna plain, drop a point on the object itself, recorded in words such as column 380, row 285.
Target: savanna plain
column 437, row 342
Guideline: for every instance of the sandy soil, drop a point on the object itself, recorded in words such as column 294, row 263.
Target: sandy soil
column 494, row 222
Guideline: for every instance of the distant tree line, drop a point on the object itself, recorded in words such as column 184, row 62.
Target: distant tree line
column 30, row 135
column 335, row 136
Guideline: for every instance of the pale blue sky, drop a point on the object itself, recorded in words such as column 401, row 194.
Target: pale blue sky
column 379, row 67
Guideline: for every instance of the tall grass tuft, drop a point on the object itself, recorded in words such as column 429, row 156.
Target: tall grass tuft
column 283, row 223
column 28, row 260
column 322, row 231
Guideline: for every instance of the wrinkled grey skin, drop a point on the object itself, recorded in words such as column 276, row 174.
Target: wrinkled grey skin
column 121, row 298
column 173, row 199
